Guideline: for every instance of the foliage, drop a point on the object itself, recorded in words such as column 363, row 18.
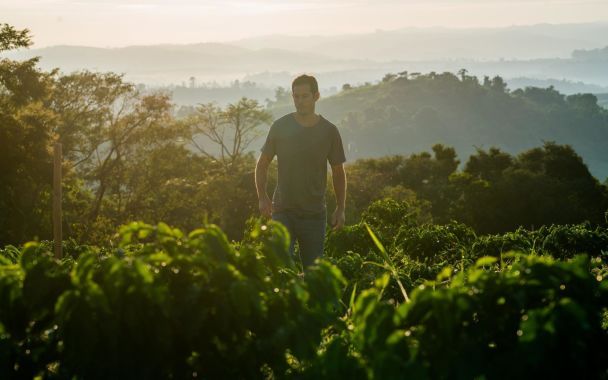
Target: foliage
column 25, row 137
column 11, row 38
column 559, row 241
column 231, row 130
column 414, row 110
column 431, row 243
column 531, row 318
column 562, row 241
column 495, row 192
column 164, row 304
column 421, row 252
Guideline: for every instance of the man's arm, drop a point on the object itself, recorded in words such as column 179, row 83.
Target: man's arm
column 261, row 176
column 339, row 180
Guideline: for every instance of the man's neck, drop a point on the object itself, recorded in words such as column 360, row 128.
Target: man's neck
column 307, row 120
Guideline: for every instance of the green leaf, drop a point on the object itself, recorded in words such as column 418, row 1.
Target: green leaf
column 382, row 281
column 377, row 243
column 353, row 295
column 485, row 261
column 445, row 274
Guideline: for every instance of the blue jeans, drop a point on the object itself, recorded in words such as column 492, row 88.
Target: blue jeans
column 308, row 230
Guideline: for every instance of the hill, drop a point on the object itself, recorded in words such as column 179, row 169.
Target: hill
column 523, row 42
column 172, row 64
column 572, row 52
column 408, row 113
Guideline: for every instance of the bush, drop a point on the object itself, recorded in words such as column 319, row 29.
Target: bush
column 434, row 243
column 168, row 305
column 533, row 318
column 565, row 241
column 164, row 305
column 496, row 245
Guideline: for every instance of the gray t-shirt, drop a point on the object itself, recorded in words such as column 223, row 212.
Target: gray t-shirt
column 302, row 155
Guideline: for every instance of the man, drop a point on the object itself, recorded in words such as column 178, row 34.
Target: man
column 304, row 143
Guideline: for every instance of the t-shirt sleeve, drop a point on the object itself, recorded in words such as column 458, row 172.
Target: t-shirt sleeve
column 336, row 153
column 270, row 146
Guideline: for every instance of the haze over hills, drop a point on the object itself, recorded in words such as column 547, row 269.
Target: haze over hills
column 424, row 44
column 163, row 64
column 539, row 52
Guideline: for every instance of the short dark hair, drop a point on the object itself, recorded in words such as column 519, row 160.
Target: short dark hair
column 306, row 79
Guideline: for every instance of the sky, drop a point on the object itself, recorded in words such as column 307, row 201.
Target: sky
column 115, row 23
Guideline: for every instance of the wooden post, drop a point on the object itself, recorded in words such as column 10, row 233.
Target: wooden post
column 57, row 233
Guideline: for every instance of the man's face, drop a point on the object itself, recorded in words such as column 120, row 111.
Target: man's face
column 304, row 99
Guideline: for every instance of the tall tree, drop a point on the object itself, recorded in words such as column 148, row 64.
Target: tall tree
column 230, row 130
column 25, row 141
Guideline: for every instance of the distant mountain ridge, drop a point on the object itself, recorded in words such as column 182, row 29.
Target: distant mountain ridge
column 423, row 44
column 143, row 62
column 577, row 54
column 595, row 54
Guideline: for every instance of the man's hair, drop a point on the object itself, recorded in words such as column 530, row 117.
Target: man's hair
column 306, row 79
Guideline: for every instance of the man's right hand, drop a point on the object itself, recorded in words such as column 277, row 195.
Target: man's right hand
column 265, row 205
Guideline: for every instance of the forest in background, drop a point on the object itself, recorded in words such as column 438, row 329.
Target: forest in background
column 127, row 156
column 408, row 112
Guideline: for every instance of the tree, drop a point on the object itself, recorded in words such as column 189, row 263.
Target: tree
column 108, row 127
column 282, row 97
column 498, row 84
column 11, row 38
column 141, row 124
column 541, row 186
column 543, row 97
column 463, row 74
column 231, row 130
column 86, row 104
column 488, row 165
column 585, row 103
column 389, row 77
column 25, row 141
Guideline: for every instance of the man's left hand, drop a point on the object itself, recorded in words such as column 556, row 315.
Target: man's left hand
column 337, row 219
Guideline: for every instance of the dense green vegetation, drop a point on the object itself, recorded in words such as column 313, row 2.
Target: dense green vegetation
column 495, row 192
column 432, row 246
column 116, row 144
column 409, row 112
column 163, row 304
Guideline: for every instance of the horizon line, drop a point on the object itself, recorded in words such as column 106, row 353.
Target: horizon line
column 230, row 42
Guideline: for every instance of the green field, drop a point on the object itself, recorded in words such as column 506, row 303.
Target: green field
column 433, row 301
